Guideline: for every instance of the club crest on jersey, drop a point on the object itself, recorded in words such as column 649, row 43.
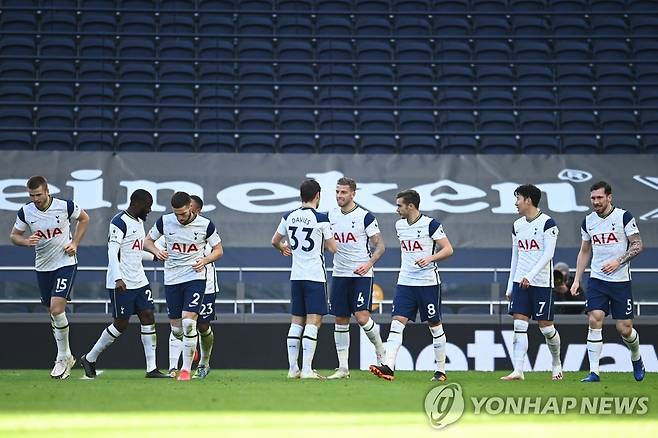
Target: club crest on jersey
column 528, row 245
column 138, row 244
column 49, row 234
column 604, row 239
column 344, row 237
column 184, row 247
column 410, row 245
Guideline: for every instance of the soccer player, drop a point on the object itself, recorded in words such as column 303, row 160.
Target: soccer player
column 127, row 284
column 610, row 235
column 49, row 220
column 308, row 234
column 419, row 286
column 354, row 228
column 530, row 284
column 186, row 235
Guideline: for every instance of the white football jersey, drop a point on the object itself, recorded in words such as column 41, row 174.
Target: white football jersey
column 417, row 240
column 212, row 285
column 128, row 233
column 609, row 238
column 351, row 232
column 185, row 245
column 529, row 240
column 306, row 230
column 53, row 226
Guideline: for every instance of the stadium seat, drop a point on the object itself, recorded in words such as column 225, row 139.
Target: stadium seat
column 610, row 50
column 302, row 144
column 571, row 50
column 216, row 72
column 458, row 144
column 294, row 95
column 572, row 144
column 646, row 72
column 136, row 48
column 649, row 120
column 524, row 25
column 408, row 73
column 215, row 49
column 495, row 97
column 175, row 94
column 620, row 97
column 334, row 5
column 574, row 73
column 645, row 49
column 57, row 21
column 135, row 142
column 415, row 26
column 256, row 144
column 296, row 120
column 255, row 96
column 371, row 120
column 336, row 120
column 173, row 142
column 535, row 97
column 369, row 25
column 457, row 122
column 450, row 5
column 371, row 5
column 490, row 25
column 577, row 121
column 255, row 5
column 18, row 21
column 490, row 120
column 450, row 25
column 337, row 144
column 569, row 96
column 607, row 25
column 536, row 121
column 255, row 25
column 11, row 45
column 216, row 96
column 97, row 47
column 335, row 49
column 644, row 24
column 213, row 23
column 367, row 50
column 531, row 50
column 95, row 118
column 536, row 144
column 295, row 49
column 457, row 97
column 534, row 73
column 329, row 96
column 98, row 22
column 568, row 5
column 621, row 144
column 335, row 73
column 294, row 25
column 647, row 96
column 415, row 97
column 494, row 73
column 489, row 5
column 368, row 73
column 20, row 140
column 608, row 5
column 136, row 94
column 295, row 5
column 216, row 143
column 411, row 5
column 418, row 144
column 378, row 144
column 255, row 120
column 54, row 141
column 216, row 120
column 612, row 120
column 55, row 117
column 15, row 117
column 15, row 93
column 413, row 51
column 417, row 121
column 95, row 141
column 136, row 23
column 330, row 25
column 498, row 144
column 649, row 143
column 175, row 71
column 175, row 119
column 449, row 74
column 136, row 118
column 452, row 50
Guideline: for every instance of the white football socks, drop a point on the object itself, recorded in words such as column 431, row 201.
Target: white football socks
column 633, row 344
column 594, row 348
column 293, row 342
column 394, row 343
column 552, row 337
column 60, row 327
column 520, row 344
column 189, row 342
column 371, row 329
column 149, row 341
column 206, row 340
column 309, row 342
column 439, row 344
column 108, row 336
column 175, row 346
column 342, row 338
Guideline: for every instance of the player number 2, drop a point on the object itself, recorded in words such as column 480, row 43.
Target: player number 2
column 195, row 300
column 431, row 310
column 149, row 295
column 61, row 284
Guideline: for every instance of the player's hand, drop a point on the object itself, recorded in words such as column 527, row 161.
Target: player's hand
column 508, row 295
column 70, row 249
column 32, row 240
column 161, row 255
column 574, row 287
column 525, row 283
column 199, row 265
column 120, row 286
column 285, row 249
column 610, row 267
column 362, row 269
column 422, row 262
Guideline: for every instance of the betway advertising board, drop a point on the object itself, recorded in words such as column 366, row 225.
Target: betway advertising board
column 245, row 194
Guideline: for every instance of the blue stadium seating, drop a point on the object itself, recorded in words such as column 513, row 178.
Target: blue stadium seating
column 492, row 76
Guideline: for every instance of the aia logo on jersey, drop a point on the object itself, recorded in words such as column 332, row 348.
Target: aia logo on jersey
column 184, row 247
column 138, row 245
column 604, row 239
column 344, row 237
column 528, row 245
column 49, row 234
column 410, row 245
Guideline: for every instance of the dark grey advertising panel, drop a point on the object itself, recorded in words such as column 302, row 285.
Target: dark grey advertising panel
column 246, row 193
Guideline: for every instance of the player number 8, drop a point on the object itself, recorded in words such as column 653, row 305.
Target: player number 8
column 431, row 310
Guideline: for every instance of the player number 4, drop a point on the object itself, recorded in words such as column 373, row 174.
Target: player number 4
column 360, row 300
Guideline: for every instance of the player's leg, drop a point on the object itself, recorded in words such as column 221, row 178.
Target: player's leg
column 174, row 298
column 193, row 299
column 362, row 303
column 543, row 310
column 429, row 298
column 315, row 299
column 122, row 308
column 622, row 311
column 144, row 307
column 340, row 308
column 297, row 322
column 520, row 308
column 55, row 289
column 206, row 335
column 405, row 308
column 597, row 307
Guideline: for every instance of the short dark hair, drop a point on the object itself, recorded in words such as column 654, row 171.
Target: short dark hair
column 345, row 181
column 180, row 199
column 36, row 181
column 140, row 196
column 409, row 197
column 197, row 199
column 309, row 189
column 529, row 191
column 602, row 185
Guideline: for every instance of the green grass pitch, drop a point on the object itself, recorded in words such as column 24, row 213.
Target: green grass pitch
column 265, row 403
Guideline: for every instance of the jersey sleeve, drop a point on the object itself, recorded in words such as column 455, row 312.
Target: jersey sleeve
column 117, row 231
column 113, row 263
column 20, row 224
column 370, row 224
column 73, row 210
column 551, row 230
column 583, row 231
column 514, row 261
column 211, row 235
column 630, row 227
column 157, row 230
column 160, row 243
column 436, row 230
column 325, row 227
column 281, row 229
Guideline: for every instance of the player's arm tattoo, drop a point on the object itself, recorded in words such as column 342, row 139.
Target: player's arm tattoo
column 634, row 249
column 378, row 241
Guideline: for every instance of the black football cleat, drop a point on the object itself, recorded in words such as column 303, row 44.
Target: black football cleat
column 439, row 377
column 383, row 372
column 89, row 367
column 156, row 374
